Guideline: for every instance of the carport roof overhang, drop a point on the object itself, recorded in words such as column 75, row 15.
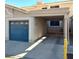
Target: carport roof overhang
column 49, row 12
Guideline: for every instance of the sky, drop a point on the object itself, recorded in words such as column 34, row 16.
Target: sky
column 22, row 3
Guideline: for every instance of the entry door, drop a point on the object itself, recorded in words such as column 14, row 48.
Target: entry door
column 19, row 30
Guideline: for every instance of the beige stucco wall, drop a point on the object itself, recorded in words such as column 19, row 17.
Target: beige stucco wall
column 36, row 26
column 8, row 12
column 40, row 25
column 66, row 4
column 17, row 13
column 40, row 6
column 13, row 14
column 32, row 34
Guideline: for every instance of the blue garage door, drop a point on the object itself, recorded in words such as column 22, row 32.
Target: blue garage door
column 19, row 30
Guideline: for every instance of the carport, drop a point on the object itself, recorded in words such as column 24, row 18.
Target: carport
column 41, row 19
column 52, row 25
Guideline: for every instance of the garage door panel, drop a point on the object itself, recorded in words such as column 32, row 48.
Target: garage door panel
column 18, row 31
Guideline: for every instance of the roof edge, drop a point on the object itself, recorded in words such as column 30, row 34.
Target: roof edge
column 16, row 8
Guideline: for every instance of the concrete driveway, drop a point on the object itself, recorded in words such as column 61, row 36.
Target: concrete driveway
column 50, row 48
column 15, row 47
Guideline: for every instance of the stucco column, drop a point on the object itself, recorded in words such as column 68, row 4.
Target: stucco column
column 65, row 34
column 65, row 25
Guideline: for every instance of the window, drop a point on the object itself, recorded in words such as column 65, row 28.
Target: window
column 54, row 23
column 54, row 6
column 44, row 8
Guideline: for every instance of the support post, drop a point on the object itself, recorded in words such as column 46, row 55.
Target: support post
column 68, row 30
column 65, row 35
